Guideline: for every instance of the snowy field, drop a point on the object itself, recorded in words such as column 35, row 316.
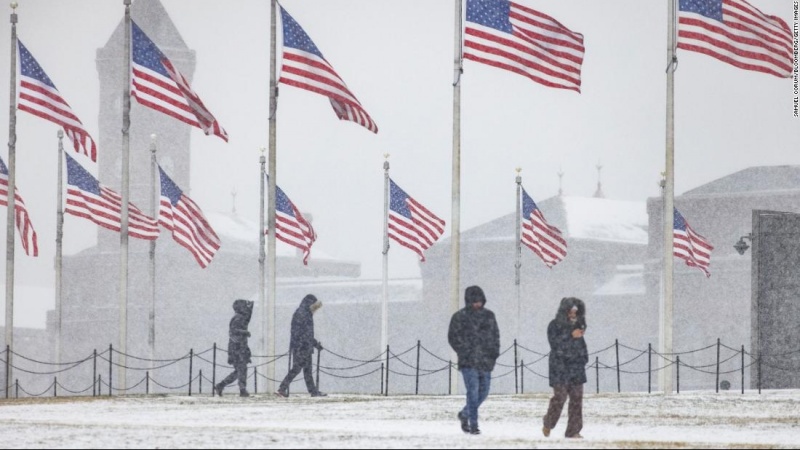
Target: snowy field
column 695, row 420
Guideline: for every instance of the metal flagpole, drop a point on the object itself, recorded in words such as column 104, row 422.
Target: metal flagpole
column 123, row 235
column 273, row 107
column 12, row 158
column 154, row 202
column 385, row 308
column 455, row 252
column 669, row 193
column 59, row 242
column 262, row 299
column 518, row 255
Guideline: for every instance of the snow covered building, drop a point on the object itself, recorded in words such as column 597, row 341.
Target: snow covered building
column 722, row 306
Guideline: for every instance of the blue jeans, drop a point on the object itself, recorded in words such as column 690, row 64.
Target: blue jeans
column 477, row 383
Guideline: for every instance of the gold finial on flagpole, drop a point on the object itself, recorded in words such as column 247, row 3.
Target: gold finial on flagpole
column 14, row 6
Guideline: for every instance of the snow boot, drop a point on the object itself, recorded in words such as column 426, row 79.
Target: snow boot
column 464, row 421
column 244, row 393
column 218, row 389
column 282, row 393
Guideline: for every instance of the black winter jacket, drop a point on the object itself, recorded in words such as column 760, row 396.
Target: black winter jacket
column 474, row 335
column 238, row 350
column 302, row 341
column 568, row 356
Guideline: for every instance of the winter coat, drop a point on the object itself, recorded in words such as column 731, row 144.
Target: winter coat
column 568, row 356
column 474, row 334
column 238, row 350
column 302, row 342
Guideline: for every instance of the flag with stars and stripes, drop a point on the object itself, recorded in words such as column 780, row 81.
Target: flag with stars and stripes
column 305, row 67
column 522, row 40
column 735, row 32
column 180, row 215
column 38, row 95
column 544, row 239
column 87, row 198
column 157, row 84
column 292, row 227
column 27, row 234
column 690, row 246
column 410, row 224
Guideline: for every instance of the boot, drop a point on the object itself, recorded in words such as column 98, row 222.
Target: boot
column 282, row 392
column 244, row 393
column 218, row 389
column 464, row 421
column 318, row 394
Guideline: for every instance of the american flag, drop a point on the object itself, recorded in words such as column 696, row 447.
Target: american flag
column 737, row 33
column 690, row 246
column 410, row 224
column 305, row 67
column 179, row 214
column 513, row 37
column 39, row 96
column 157, row 84
column 544, row 239
column 87, row 198
column 27, row 234
column 292, row 227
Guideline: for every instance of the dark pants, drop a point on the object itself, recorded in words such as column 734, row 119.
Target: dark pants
column 302, row 361
column 477, row 383
column 575, row 412
column 240, row 372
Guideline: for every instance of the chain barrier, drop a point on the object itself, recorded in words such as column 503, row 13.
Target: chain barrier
column 49, row 388
column 668, row 360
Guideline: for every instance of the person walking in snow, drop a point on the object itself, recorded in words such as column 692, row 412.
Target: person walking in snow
column 302, row 345
column 475, row 337
column 238, row 350
column 568, row 359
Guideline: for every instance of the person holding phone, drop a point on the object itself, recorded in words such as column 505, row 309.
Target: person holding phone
column 568, row 359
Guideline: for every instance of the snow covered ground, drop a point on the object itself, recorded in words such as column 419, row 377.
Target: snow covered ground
column 696, row 420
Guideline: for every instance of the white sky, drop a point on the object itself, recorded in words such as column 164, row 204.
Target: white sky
column 397, row 57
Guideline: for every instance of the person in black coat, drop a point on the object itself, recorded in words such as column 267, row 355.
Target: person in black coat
column 475, row 337
column 302, row 345
column 238, row 350
column 568, row 359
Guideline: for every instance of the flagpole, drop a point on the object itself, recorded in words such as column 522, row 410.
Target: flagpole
column 385, row 303
column 518, row 255
column 262, row 299
column 455, row 252
column 12, row 158
column 273, row 107
column 123, row 269
column 154, row 201
column 59, row 242
column 669, row 188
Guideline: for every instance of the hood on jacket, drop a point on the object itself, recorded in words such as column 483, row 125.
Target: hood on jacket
column 245, row 308
column 568, row 303
column 474, row 294
column 310, row 303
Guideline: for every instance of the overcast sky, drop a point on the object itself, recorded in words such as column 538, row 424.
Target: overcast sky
column 397, row 58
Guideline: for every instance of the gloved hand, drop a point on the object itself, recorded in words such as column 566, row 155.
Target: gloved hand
column 319, row 346
column 247, row 333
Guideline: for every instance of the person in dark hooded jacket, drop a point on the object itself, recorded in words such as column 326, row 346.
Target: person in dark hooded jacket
column 568, row 359
column 302, row 345
column 238, row 350
column 475, row 337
